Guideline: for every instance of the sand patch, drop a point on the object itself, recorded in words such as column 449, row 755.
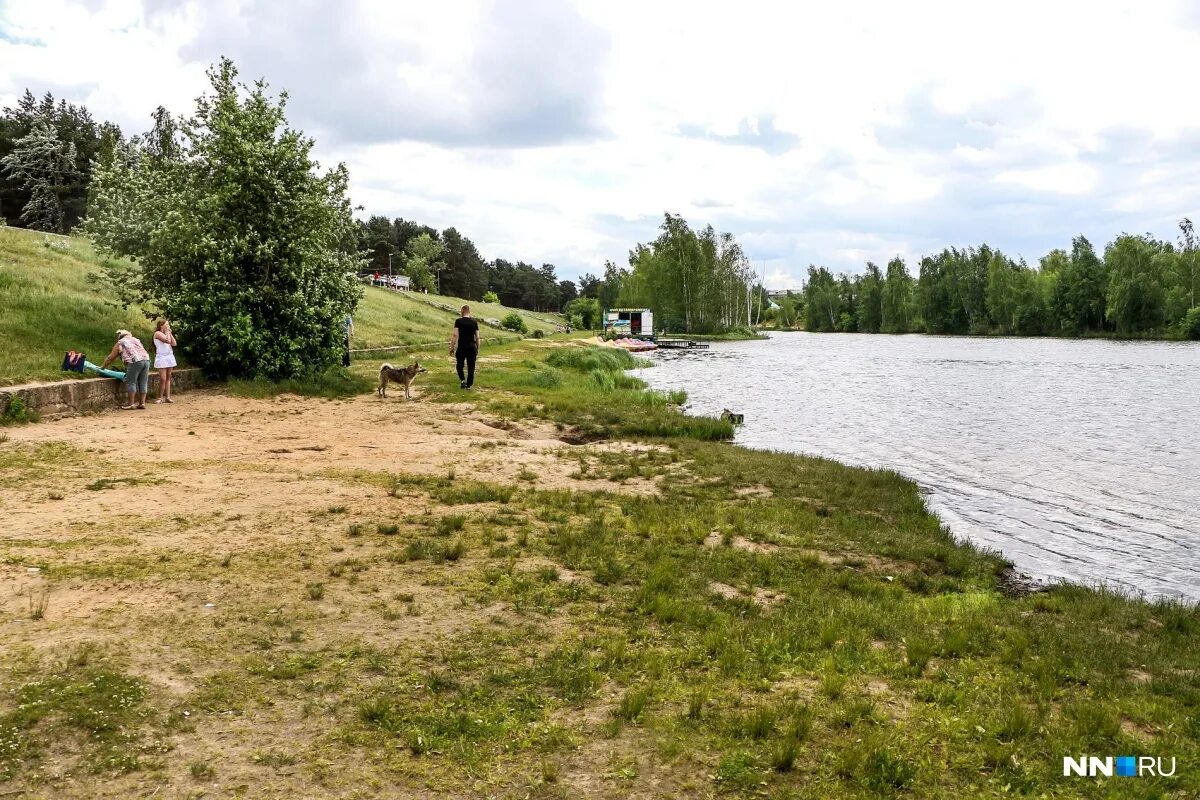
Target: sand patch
column 1138, row 730
column 201, row 517
column 718, row 538
column 764, row 598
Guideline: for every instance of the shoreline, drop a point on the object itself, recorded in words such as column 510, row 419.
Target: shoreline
column 860, row 444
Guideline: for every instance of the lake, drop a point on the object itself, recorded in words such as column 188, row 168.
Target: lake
column 1076, row 459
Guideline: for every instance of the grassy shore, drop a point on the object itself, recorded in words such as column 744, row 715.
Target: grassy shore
column 555, row 585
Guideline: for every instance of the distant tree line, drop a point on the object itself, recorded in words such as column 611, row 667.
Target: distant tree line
column 1141, row 286
column 449, row 263
column 694, row 281
column 50, row 149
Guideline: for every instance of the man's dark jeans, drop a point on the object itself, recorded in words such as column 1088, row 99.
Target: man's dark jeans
column 466, row 357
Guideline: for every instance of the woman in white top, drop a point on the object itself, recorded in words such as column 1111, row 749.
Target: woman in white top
column 164, row 359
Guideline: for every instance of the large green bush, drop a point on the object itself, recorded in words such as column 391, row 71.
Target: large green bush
column 1190, row 324
column 234, row 234
column 594, row 359
column 585, row 311
column 514, row 322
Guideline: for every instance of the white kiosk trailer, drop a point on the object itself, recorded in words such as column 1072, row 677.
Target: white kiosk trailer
column 634, row 323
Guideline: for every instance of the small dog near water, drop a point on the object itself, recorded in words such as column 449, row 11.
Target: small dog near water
column 404, row 375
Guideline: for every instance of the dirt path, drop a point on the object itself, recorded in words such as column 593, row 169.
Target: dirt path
column 212, row 435
column 182, row 540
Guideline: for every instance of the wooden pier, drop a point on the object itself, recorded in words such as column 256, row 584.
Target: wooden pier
column 680, row 344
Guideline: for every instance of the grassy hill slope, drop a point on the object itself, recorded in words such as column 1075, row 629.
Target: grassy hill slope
column 50, row 304
column 385, row 318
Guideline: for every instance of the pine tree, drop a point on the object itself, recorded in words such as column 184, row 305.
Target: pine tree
column 45, row 166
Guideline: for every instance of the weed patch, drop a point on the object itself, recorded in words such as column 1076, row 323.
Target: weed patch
column 334, row 384
column 15, row 412
column 103, row 705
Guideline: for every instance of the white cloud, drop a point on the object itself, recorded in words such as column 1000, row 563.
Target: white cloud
column 1068, row 178
column 818, row 133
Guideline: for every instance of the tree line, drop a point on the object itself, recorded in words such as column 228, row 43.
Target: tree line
column 230, row 228
column 449, row 263
column 50, row 150
column 1141, row 286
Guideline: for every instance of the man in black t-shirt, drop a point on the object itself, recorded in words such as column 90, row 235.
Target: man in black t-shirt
column 464, row 346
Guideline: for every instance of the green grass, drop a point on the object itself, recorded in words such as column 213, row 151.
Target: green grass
column 49, row 303
column 916, row 675
column 594, row 359
column 13, row 411
column 97, row 704
column 585, row 391
column 1006, row 686
column 534, row 320
column 386, row 318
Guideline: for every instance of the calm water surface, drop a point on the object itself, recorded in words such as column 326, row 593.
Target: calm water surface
column 1076, row 459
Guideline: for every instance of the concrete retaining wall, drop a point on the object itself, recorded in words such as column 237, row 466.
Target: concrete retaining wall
column 64, row 398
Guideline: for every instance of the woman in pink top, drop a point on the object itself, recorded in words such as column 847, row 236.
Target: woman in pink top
column 137, row 368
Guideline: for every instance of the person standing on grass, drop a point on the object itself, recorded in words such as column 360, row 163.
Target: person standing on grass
column 464, row 346
column 348, row 330
column 137, row 368
column 164, row 359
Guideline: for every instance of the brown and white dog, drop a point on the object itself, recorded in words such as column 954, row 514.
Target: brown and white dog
column 404, row 375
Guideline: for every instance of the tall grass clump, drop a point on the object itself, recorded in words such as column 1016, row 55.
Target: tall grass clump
column 591, row 383
column 544, row 376
column 333, row 383
column 595, row 359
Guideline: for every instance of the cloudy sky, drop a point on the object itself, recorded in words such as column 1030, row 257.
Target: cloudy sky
column 548, row 130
